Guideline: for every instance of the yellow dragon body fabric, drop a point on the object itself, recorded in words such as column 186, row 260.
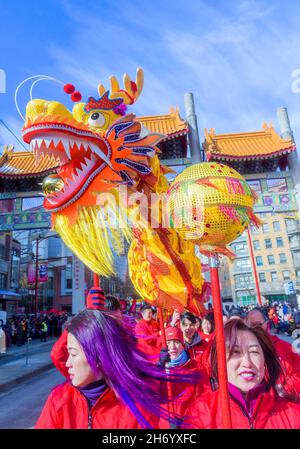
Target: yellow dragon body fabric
column 110, row 185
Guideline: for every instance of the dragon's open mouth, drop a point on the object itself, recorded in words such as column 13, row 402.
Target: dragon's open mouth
column 81, row 156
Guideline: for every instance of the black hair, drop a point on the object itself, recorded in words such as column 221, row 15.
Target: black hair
column 263, row 313
column 210, row 317
column 189, row 316
column 236, row 312
column 112, row 303
column 145, row 307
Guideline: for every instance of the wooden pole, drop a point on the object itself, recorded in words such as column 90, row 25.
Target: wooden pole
column 169, row 384
column 220, row 341
column 36, row 277
column 96, row 280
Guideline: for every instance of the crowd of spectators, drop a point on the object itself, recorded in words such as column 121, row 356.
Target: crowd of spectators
column 282, row 318
column 19, row 328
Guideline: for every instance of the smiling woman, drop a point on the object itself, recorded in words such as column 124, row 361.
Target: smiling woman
column 253, row 370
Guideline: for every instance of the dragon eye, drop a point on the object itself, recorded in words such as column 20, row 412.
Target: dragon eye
column 96, row 119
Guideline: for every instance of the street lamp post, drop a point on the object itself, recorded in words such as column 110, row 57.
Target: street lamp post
column 36, row 275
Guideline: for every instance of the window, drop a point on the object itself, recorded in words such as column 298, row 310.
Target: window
column 274, row 276
column 242, row 264
column 262, row 277
column 268, row 243
column 294, row 241
column 259, row 261
column 3, row 281
column 298, row 273
column 2, row 252
column 279, row 242
column 290, row 224
column 66, row 279
column 265, row 227
column 286, row 275
column 276, row 226
column 50, row 284
column 243, row 280
column 256, row 244
column 15, row 269
column 271, row 260
column 240, row 246
column 255, row 185
column 33, row 203
column 54, row 247
column 282, row 258
column 69, row 276
column 296, row 258
column 254, row 230
column 276, row 185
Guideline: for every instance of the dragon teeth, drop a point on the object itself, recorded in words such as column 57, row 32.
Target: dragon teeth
column 39, row 142
column 67, row 148
column 72, row 142
column 100, row 153
column 50, row 145
column 56, row 141
column 79, row 143
column 85, row 145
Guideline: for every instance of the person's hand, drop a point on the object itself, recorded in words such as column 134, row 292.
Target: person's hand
column 175, row 318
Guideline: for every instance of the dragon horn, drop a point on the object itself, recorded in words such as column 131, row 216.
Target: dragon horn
column 134, row 88
column 101, row 89
column 114, row 84
column 139, row 82
column 131, row 91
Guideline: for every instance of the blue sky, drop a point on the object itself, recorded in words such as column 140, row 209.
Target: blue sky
column 237, row 57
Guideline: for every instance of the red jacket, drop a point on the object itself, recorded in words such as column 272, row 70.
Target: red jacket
column 198, row 351
column 270, row 412
column 206, row 337
column 290, row 363
column 184, row 393
column 59, row 354
column 147, row 333
column 67, row 408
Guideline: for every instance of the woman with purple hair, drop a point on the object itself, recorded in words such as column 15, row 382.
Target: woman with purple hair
column 111, row 384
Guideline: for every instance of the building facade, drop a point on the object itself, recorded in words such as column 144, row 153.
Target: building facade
column 262, row 157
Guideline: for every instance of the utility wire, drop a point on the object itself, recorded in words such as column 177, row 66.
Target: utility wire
column 4, row 124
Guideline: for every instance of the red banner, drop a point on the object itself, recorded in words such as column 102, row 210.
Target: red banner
column 42, row 273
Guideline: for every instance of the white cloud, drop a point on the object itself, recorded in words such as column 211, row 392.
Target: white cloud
column 240, row 72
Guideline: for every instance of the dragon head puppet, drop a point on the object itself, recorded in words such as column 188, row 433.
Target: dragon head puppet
column 96, row 145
